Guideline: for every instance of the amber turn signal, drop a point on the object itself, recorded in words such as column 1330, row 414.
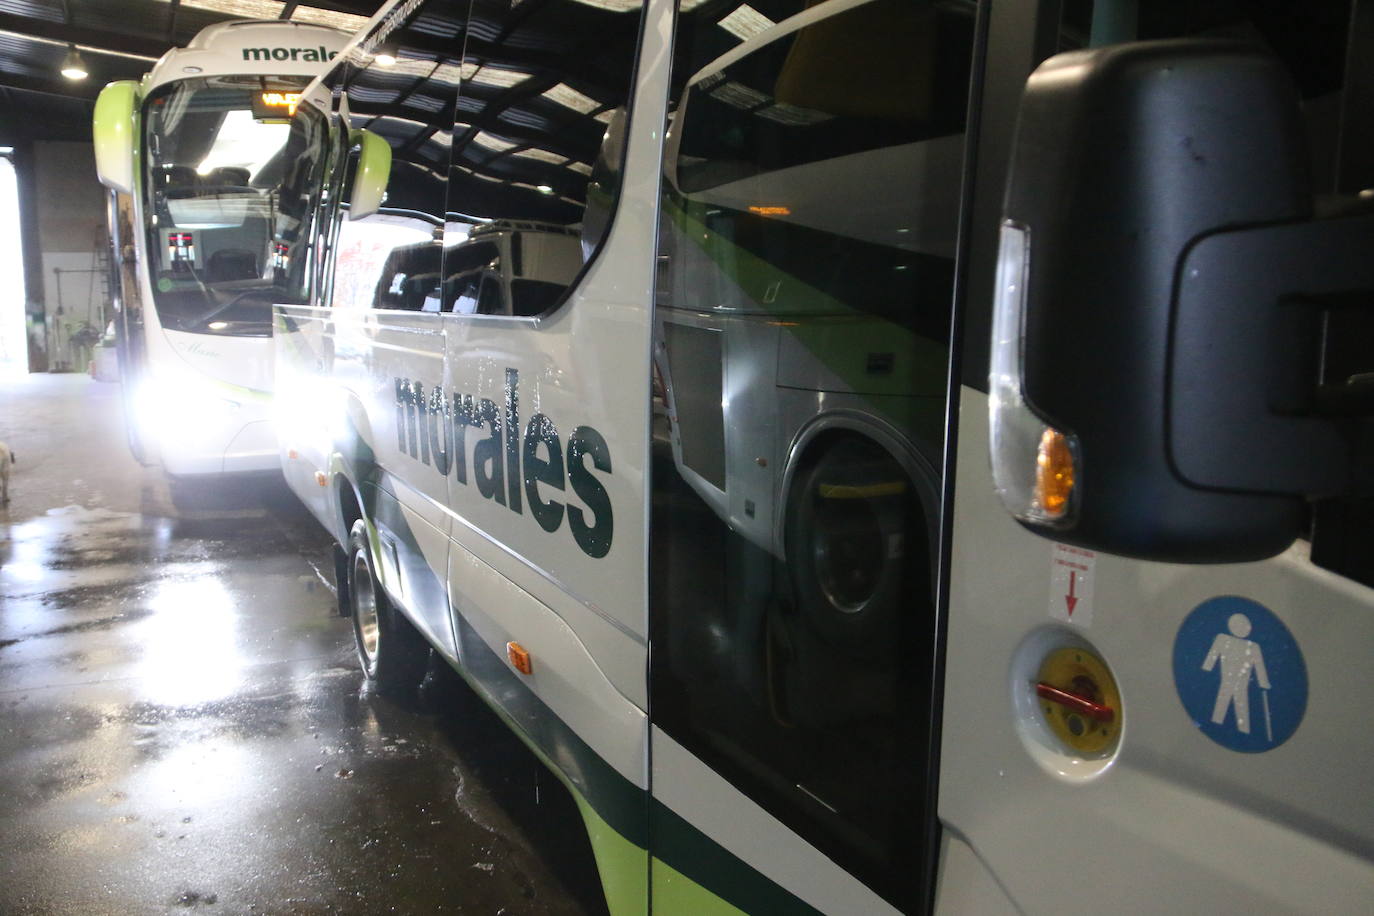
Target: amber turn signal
column 519, row 657
column 1054, row 474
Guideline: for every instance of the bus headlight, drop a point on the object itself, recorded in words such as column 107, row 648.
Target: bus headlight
column 1034, row 465
column 177, row 406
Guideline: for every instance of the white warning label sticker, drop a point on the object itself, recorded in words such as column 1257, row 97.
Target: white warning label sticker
column 1071, row 584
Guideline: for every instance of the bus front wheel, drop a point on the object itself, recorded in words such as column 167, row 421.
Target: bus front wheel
column 391, row 651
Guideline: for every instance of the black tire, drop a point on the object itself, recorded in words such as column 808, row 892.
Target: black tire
column 391, row 651
column 855, row 545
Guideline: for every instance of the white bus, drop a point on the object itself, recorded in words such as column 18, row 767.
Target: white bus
column 192, row 157
column 902, row 507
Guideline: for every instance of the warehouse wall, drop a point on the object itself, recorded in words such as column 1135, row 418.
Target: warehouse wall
column 70, row 228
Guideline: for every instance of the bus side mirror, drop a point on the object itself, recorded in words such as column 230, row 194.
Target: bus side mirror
column 374, row 169
column 1157, row 326
column 115, row 130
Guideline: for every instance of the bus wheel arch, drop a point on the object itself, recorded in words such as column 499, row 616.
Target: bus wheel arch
column 858, row 506
column 349, row 503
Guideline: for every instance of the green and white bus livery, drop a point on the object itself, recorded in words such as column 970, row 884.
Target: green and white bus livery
column 932, row 475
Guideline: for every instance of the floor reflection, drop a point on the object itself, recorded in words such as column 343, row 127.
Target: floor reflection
column 190, row 642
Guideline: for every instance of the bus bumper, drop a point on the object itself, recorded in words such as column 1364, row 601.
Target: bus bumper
column 250, row 447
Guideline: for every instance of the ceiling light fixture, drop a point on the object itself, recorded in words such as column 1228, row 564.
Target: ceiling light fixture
column 73, row 67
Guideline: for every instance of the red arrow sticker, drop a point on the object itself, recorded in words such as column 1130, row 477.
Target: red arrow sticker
column 1071, row 584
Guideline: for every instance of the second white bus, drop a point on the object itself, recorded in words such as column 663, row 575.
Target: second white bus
column 192, row 155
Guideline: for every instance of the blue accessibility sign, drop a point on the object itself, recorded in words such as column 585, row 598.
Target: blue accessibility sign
column 1240, row 674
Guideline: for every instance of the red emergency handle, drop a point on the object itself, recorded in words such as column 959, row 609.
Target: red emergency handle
column 1087, row 707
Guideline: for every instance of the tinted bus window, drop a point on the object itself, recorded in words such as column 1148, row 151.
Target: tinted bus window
column 534, row 171
column 294, row 257
column 806, row 277
column 772, row 110
column 406, row 96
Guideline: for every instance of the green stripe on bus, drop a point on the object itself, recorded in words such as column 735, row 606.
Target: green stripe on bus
column 674, row 892
column 704, row 877
column 623, row 866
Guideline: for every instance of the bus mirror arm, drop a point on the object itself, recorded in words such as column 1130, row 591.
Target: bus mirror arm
column 1172, row 287
column 1248, row 408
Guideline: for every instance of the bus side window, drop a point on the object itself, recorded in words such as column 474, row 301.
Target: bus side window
column 490, row 301
column 395, row 256
column 340, row 167
column 464, row 267
column 807, row 241
column 410, row 279
column 525, row 146
column 293, row 256
column 466, row 301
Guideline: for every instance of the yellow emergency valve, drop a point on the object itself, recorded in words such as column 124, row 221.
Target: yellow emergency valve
column 519, row 658
column 1079, row 700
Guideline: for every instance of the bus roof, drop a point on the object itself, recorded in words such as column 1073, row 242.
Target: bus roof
column 273, row 46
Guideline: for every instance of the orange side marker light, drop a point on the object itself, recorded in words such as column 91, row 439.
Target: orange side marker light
column 519, row 657
column 1054, row 474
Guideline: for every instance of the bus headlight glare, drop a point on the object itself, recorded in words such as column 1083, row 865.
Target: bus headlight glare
column 180, row 407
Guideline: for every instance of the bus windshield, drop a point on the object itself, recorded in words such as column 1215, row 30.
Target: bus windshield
column 213, row 161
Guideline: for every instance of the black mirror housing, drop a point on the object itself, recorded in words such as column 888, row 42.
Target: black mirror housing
column 1124, row 158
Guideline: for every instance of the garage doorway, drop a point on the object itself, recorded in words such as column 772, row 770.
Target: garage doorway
column 14, row 349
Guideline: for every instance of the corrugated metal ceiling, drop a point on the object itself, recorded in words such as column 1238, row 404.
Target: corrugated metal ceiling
column 118, row 39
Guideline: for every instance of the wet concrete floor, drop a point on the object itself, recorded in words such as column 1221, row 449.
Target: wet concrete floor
column 183, row 725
